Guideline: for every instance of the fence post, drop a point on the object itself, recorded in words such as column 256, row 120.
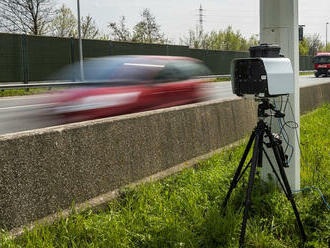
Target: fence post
column 110, row 47
column 25, row 60
column 72, row 50
column 72, row 58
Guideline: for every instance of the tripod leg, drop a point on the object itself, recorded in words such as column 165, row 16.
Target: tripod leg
column 235, row 179
column 254, row 164
column 274, row 171
column 284, row 178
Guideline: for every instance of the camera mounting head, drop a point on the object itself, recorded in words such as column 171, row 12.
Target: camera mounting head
column 265, row 105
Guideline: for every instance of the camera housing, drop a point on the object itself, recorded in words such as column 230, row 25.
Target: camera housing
column 268, row 76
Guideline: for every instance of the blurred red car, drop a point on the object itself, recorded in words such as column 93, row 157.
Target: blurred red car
column 133, row 84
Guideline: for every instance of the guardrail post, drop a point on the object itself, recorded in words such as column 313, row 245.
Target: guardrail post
column 25, row 60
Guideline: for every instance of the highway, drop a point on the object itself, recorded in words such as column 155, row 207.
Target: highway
column 28, row 112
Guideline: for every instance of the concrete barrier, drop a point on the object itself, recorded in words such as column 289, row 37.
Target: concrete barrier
column 45, row 170
column 313, row 96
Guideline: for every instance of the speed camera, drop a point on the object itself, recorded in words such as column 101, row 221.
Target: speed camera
column 265, row 74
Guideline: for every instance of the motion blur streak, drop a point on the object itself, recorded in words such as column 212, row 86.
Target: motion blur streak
column 160, row 66
column 100, row 101
column 134, row 83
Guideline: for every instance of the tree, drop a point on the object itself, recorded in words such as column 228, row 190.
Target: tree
column 304, row 47
column 253, row 40
column 315, row 44
column 89, row 29
column 311, row 45
column 147, row 30
column 196, row 39
column 226, row 39
column 119, row 30
column 103, row 36
column 25, row 16
column 64, row 24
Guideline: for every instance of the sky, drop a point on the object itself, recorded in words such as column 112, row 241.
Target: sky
column 176, row 17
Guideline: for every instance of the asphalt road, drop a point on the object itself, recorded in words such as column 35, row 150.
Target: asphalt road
column 29, row 112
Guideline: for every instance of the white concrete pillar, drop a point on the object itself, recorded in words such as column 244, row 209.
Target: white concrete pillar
column 279, row 25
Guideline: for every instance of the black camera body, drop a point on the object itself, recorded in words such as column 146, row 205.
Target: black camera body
column 265, row 74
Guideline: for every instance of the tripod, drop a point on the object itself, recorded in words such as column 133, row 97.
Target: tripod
column 257, row 137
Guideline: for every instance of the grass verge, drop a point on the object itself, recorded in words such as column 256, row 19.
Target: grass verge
column 23, row 92
column 184, row 210
column 224, row 79
column 306, row 73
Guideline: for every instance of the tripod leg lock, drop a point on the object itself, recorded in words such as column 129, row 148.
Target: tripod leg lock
column 278, row 143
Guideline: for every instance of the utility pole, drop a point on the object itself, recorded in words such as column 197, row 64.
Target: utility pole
column 326, row 36
column 279, row 25
column 82, row 78
column 301, row 32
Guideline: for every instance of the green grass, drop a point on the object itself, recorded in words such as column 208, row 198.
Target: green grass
column 306, row 73
column 22, row 92
column 184, row 210
column 224, row 79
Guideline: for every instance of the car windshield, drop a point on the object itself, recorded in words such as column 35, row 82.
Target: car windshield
column 192, row 69
column 118, row 68
column 178, row 70
column 322, row 60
